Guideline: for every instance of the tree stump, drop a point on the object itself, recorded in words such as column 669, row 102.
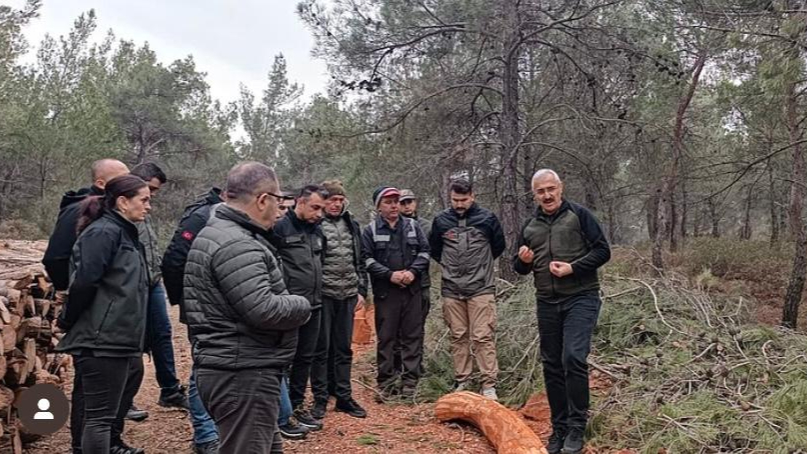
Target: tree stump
column 504, row 428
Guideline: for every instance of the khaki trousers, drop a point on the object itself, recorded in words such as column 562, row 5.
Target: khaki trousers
column 472, row 323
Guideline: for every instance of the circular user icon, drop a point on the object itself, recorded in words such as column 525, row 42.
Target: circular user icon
column 43, row 409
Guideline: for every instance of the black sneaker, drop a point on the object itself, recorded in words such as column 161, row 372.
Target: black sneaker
column 123, row 448
column 211, row 447
column 177, row 398
column 137, row 415
column 306, row 420
column 319, row 409
column 555, row 443
column 293, row 431
column 574, row 441
column 351, row 407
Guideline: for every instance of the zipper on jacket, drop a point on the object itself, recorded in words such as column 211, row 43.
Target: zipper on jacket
column 551, row 258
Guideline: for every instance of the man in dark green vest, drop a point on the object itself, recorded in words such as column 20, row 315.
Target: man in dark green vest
column 563, row 246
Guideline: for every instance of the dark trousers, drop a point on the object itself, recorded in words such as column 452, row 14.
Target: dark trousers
column 244, row 404
column 307, row 338
column 333, row 350
column 161, row 342
column 103, row 391
column 399, row 320
column 565, row 332
column 427, row 305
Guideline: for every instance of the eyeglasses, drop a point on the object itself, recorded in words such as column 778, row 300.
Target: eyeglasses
column 277, row 197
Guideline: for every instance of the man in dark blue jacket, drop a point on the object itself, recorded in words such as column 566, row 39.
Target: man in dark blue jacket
column 563, row 246
column 396, row 255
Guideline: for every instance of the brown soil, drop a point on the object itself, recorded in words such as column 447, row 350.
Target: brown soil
column 395, row 428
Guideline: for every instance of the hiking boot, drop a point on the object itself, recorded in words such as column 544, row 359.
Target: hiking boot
column 574, row 441
column 211, row 447
column 351, row 407
column 490, row 393
column 460, row 386
column 137, row 415
column 408, row 392
column 319, row 409
column 306, row 420
column 555, row 442
column 178, row 398
column 293, row 431
column 123, row 448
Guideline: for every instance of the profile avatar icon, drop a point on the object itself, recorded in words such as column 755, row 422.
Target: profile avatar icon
column 43, row 413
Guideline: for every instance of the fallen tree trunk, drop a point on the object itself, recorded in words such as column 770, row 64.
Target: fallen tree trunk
column 504, row 428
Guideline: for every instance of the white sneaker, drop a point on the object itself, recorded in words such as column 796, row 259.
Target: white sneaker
column 490, row 393
column 461, row 386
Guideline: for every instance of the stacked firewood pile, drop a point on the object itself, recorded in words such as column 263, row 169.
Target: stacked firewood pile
column 28, row 312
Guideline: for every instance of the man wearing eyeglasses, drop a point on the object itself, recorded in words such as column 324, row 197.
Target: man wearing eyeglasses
column 300, row 242
column 563, row 246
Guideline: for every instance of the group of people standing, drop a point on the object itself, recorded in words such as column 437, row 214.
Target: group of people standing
column 268, row 282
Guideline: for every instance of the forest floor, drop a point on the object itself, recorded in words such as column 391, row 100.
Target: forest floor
column 398, row 428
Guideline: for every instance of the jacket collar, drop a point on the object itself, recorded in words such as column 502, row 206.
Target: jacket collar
column 539, row 212
column 239, row 217
column 214, row 196
column 471, row 211
column 128, row 226
column 299, row 224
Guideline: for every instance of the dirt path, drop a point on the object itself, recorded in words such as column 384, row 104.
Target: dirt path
column 389, row 428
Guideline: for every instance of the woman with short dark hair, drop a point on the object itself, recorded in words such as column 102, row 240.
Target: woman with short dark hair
column 105, row 317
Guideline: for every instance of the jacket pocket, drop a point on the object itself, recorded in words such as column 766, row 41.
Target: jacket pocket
column 103, row 320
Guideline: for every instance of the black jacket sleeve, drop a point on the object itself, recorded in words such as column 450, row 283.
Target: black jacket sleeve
column 599, row 251
column 97, row 249
column 176, row 255
column 244, row 279
column 421, row 262
column 519, row 266
column 497, row 241
column 436, row 238
column 374, row 268
column 60, row 246
column 361, row 268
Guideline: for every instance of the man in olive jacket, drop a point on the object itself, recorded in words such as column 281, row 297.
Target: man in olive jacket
column 300, row 242
column 563, row 246
column 240, row 316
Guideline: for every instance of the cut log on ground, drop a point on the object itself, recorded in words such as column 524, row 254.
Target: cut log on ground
column 504, row 428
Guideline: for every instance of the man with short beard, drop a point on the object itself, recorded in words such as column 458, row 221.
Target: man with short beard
column 396, row 255
column 466, row 240
column 344, row 285
column 563, row 246
column 299, row 242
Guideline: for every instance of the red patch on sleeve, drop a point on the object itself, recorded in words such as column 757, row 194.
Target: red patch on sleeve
column 188, row 235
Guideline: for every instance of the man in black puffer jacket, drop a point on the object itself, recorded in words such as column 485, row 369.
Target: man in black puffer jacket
column 300, row 242
column 242, row 320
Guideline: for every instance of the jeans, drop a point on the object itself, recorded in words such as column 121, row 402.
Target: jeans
column 160, row 341
column 565, row 331
column 244, row 404
column 106, row 389
column 204, row 428
column 307, row 337
column 286, row 409
column 335, row 336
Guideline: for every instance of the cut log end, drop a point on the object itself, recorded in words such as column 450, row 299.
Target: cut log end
column 504, row 428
